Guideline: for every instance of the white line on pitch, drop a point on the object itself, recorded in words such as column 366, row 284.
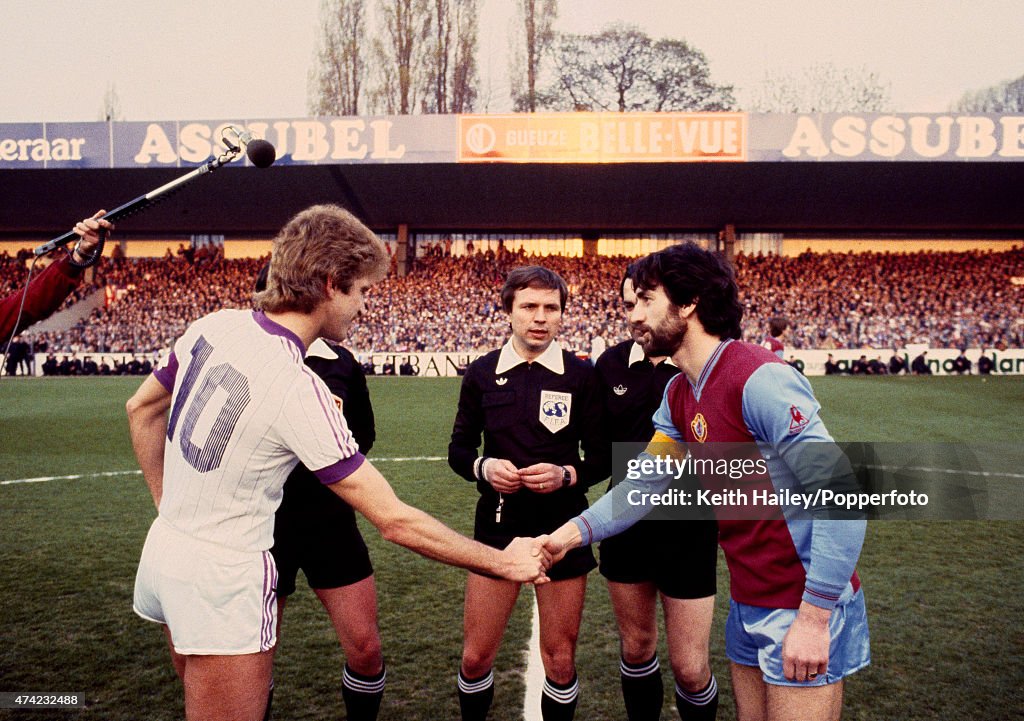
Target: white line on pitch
column 103, row 474
column 409, row 458
column 75, row 477
column 950, row 471
column 534, row 668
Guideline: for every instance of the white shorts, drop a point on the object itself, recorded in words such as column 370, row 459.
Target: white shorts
column 215, row 600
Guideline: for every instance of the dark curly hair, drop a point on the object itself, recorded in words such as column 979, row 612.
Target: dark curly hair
column 690, row 274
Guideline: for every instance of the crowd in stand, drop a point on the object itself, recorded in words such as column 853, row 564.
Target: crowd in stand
column 888, row 300
column 880, row 300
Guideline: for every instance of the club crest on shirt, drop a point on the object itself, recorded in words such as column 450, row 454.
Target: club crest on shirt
column 699, row 426
column 620, row 390
column 797, row 420
column 555, row 408
column 501, row 381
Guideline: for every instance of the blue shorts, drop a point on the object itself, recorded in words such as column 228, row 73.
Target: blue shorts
column 753, row 637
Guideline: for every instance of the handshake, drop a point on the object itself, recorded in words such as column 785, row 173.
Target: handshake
column 528, row 559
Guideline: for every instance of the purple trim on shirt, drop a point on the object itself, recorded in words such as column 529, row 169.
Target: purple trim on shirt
column 342, row 469
column 328, row 408
column 168, row 373
column 277, row 329
column 709, row 366
column 586, row 531
column 269, row 602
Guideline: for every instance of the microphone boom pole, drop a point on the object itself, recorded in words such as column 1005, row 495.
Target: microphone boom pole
column 153, row 196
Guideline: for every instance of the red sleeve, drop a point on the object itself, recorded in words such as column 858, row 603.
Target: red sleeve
column 45, row 294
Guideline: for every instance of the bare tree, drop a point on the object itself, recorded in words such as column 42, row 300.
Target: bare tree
column 399, row 55
column 1006, row 97
column 530, row 49
column 465, row 76
column 111, row 109
column 336, row 82
column 823, row 88
column 440, row 55
column 622, row 69
column 452, row 74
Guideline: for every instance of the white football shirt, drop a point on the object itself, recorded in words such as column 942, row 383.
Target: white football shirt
column 244, row 411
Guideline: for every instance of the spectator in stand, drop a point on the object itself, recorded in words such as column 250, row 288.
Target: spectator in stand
column 885, row 299
column 832, row 301
column 777, row 327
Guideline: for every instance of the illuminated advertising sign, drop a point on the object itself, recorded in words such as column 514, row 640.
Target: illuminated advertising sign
column 603, row 138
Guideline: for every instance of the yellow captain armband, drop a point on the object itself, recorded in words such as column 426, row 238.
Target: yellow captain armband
column 664, row 445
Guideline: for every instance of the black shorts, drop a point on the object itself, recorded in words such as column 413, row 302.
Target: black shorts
column 518, row 522
column 316, row 531
column 679, row 557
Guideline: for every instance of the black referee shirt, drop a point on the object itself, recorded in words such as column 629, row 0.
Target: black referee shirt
column 531, row 414
column 632, row 393
column 346, row 380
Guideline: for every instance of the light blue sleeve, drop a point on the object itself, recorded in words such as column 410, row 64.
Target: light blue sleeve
column 614, row 512
column 780, row 410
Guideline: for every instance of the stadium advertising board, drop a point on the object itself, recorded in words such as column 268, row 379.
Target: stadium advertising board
column 603, row 138
column 939, row 360
column 528, row 138
column 810, row 362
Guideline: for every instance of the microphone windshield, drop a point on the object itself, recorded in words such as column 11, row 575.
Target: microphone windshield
column 261, row 153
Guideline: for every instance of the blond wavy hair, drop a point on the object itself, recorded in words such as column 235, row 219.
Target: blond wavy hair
column 321, row 243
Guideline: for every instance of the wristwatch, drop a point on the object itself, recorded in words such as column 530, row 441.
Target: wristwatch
column 566, row 477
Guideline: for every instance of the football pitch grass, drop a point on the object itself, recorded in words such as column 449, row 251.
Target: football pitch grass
column 945, row 598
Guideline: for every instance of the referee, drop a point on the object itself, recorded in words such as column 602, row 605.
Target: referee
column 535, row 405
column 314, row 530
column 675, row 561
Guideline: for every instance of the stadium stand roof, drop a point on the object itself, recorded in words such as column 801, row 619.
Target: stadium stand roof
column 784, row 179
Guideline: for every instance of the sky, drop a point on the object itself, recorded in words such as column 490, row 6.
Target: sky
column 201, row 60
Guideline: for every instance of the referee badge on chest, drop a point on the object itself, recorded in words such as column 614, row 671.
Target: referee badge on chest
column 555, row 408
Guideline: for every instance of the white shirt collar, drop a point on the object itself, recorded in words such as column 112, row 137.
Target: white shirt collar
column 551, row 358
column 636, row 354
column 320, row 349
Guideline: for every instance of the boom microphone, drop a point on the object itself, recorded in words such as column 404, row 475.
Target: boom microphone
column 260, row 152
